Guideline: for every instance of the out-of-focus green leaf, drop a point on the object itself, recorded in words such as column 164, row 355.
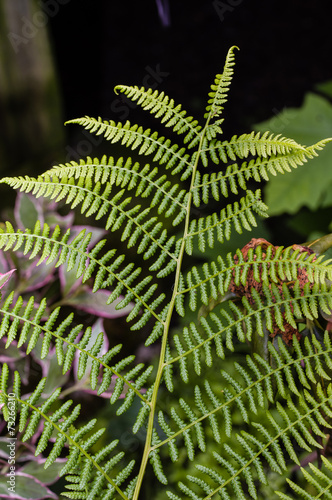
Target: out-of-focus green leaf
column 306, row 222
column 325, row 88
column 308, row 185
column 27, row 211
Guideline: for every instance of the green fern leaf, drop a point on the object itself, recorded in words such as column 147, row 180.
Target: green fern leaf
column 220, row 87
column 161, row 105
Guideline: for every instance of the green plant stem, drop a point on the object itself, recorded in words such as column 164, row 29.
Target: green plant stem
column 320, row 245
column 148, row 441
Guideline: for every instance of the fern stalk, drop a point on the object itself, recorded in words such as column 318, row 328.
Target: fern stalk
column 148, row 443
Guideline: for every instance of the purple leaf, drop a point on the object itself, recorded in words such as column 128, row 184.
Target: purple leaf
column 95, row 303
column 68, row 280
column 164, row 12
column 27, row 211
column 15, row 358
column 27, row 451
column 33, row 277
column 25, row 487
column 50, row 369
column 4, row 264
column 36, row 469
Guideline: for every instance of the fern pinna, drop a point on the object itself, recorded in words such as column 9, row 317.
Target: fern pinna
column 244, row 363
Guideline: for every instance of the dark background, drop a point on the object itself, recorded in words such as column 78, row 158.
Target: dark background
column 285, row 49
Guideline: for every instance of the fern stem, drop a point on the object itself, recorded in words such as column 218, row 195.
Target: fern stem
column 321, row 245
column 148, row 442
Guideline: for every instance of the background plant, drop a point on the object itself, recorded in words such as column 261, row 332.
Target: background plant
column 232, row 397
column 299, row 204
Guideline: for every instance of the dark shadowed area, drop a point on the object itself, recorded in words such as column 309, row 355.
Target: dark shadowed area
column 173, row 46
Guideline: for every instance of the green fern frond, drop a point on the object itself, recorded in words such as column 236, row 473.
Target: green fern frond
column 256, row 144
column 135, row 223
column 95, row 487
column 134, row 137
column 58, row 250
column 275, row 155
column 220, row 87
column 244, row 320
column 249, row 392
column 219, row 226
column 273, row 266
column 68, row 343
column 241, row 468
column 93, row 473
column 160, row 105
column 319, row 479
column 130, row 175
